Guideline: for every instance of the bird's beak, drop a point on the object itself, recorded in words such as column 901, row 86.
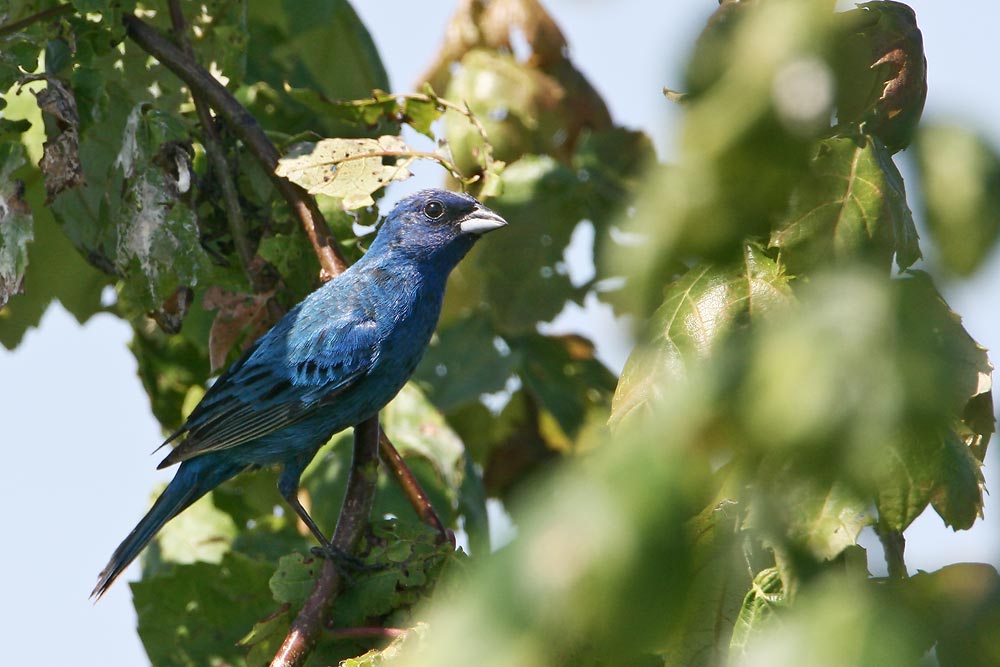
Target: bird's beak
column 480, row 221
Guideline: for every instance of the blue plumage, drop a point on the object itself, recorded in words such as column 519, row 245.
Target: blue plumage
column 332, row 362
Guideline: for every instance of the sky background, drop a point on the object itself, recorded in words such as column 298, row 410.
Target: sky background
column 77, row 426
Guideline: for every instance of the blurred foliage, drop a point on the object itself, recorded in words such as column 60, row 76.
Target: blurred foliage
column 788, row 388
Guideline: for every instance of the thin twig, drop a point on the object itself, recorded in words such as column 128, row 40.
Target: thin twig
column 410, row 486
column 358, row 500
column 246, row 127
column 364, row 633
column 217, row 157
column 43, row 15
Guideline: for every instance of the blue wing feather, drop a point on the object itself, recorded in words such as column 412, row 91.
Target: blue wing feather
column 274, row 385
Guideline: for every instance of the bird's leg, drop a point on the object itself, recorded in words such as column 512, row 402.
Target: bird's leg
column 288, row 487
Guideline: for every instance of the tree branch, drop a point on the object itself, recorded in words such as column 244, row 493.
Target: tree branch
column 49, row 13
column 410, row 486
column 246, row 127
column 358, row 500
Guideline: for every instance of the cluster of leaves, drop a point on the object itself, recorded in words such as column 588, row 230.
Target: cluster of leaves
column 788, row 391
column 704, row 508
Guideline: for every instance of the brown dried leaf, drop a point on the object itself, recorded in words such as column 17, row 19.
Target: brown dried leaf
column 240, row 316
column 61, row 160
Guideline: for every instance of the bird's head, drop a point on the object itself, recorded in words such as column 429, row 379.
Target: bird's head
column 436, row 226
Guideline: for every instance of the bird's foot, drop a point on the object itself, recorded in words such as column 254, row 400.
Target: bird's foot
column 347, row 565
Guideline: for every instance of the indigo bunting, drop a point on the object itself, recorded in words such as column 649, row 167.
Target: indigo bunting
column 332, row 362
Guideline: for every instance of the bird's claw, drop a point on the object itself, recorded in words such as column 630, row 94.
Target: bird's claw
column 347, row 565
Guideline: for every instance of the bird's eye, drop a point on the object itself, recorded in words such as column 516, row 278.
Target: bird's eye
column 434, row 209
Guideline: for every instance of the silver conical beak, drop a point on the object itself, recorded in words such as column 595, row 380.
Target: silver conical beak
column 480, row 221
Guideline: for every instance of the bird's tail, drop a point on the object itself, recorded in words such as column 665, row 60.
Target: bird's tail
column 193, row 480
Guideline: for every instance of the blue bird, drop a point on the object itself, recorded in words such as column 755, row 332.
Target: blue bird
column 333, row 361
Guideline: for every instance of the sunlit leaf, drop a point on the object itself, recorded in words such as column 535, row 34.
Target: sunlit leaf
column 351, row 169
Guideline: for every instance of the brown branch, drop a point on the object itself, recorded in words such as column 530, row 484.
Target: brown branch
column 49, row 13
column 410, row 486
column 354, row 513
column 246, row 127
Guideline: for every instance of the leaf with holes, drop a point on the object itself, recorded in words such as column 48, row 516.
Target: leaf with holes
column 350, row 169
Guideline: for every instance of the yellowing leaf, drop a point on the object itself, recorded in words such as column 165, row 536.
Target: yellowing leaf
column 350, row 169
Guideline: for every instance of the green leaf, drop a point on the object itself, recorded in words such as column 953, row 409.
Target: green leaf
column 826, row 520
column 762, row 601
column 851, row 205
column 958, row 494
column 418, row 429
column 960, row 179
column 320, row 45
column 202, row 533
column 523, row 271
column 463, row 362
column 957, row 606
column 720, row 581
column 194, row 615
column 267, row 635
column 351, row 169
column 567, row 381
column 699, row 309
column 294, row 579
column 375, row 658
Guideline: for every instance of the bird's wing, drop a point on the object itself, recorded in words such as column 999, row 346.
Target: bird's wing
column 273, row 386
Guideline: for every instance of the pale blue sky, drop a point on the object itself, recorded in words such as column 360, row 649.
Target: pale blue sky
column 77, row 425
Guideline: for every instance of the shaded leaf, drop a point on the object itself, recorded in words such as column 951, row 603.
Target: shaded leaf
column 721, row 579
column 418, row 429
column 881, row 71
column 699, row 309
column 320, row 45
column 16, row 223
column 566, row 380
column 851, row 205
column 194, row 615
column 960, row 181
column 464, row 361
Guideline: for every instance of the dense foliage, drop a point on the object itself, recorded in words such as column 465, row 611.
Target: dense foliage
column 797, row 379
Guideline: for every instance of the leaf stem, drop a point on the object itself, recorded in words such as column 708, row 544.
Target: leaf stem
column 893, row 544
column 246, row 127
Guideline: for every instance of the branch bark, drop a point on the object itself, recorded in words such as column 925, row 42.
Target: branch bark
column 50, row 13
column 358, row 500
column 410, row 486
column 246, row 127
